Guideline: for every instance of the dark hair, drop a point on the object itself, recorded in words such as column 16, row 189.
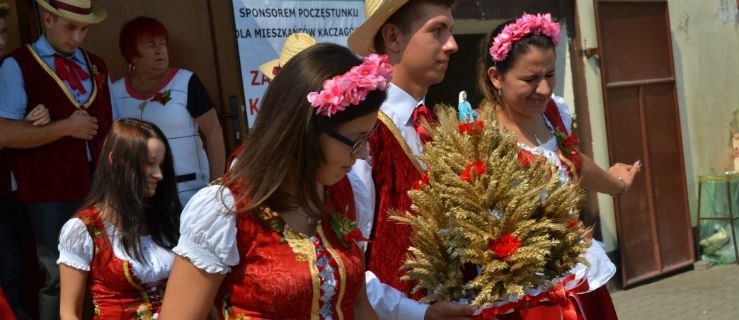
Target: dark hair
column 119, row 187
column 281, row 157
column 135, row 30
column 405, row 16
column 518, row 49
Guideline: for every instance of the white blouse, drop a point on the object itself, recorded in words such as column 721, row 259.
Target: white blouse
column 208, row 227
column 601, row 268
column 76, row 248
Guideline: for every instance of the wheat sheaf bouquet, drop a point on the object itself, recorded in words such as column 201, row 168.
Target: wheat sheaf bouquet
column 481, row 205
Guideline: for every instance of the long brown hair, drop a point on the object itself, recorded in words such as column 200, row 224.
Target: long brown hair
column 281, row 157
column 119, row 187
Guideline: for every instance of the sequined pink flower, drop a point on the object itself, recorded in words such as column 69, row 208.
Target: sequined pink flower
column 352, row 87
column 527, row 24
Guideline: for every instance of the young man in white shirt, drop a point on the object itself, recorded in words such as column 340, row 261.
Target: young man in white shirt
column 417, row 36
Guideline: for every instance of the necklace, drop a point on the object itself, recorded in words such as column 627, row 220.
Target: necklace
column 311, row 220
column 149, row 90
column 308, row 217
column 538, row 141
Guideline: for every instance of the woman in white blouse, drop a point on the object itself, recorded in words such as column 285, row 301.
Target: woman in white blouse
column 118, row 245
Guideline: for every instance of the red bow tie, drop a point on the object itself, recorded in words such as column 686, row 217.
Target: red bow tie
column 71, row 72
column 422, row 114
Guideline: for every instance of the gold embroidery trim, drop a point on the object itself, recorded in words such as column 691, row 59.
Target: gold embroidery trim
column 61, row 84
column 573, row 169
column 342, row 272
column 143, row 294
column 306, row 251
column 404, row 145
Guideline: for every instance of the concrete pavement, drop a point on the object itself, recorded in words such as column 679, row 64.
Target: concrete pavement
column 711, row 294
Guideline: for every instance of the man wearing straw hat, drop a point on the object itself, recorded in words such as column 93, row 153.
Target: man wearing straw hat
column 416, row 35
column 52, row 163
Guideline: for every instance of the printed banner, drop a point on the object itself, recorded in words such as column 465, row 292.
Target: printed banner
column 263, row 25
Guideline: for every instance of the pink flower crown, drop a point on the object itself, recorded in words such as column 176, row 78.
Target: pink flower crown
column 527, row 24
column 352, row 87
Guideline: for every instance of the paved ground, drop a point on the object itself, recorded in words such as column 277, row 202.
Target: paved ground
column 711, row 294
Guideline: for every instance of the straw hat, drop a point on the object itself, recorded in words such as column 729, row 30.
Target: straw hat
column 82, row 11
column 4, row 9
column 295, row 43
column 362, row 40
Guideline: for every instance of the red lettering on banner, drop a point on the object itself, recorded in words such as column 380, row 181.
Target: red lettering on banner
column 256, row 80
column 253, row 106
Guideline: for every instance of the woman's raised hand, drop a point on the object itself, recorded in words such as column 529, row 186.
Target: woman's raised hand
column 625, row 172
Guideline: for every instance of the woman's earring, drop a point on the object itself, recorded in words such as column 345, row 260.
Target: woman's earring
column 131, row 67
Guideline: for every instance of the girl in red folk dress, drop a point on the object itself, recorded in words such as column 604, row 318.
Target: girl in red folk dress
column 517, row 78
column 118, row 246
column 276, row 239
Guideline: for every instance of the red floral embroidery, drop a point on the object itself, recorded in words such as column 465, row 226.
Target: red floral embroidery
column 99, row 77
column 504, row 246
column 474, row 127
column 420, row 183
column 162, row 97
column 479, row 167
column 346, row 230
column 354, row 235
column 568, row 144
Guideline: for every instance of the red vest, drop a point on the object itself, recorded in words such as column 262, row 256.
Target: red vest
column 116, row 291
column 277, row 277
column 394, row 174
column 59, row 171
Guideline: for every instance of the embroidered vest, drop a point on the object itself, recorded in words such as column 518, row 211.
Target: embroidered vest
column 59, row 171
column 566, row 144
column 277, row 276
column 394, row 174
column 116, row 291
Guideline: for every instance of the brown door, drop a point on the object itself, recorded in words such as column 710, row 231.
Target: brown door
column 642, row 119
column 201, row 39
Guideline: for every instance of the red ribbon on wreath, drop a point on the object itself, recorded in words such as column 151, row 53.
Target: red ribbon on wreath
column 558, row 302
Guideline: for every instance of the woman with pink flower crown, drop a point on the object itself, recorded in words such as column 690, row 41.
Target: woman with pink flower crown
column 516, row 75
column 276, row 238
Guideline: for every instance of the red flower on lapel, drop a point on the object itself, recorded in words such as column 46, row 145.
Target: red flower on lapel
column 162, row 97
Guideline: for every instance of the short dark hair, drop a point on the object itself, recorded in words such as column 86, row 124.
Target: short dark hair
column 405, row 16
column 519, row 48
column 135, row 30
column 281, row 156
column 119, row 186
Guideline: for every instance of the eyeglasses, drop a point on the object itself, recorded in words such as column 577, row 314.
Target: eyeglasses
column 357, row 145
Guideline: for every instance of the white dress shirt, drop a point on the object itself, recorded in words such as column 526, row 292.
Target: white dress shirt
column 388, row 302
